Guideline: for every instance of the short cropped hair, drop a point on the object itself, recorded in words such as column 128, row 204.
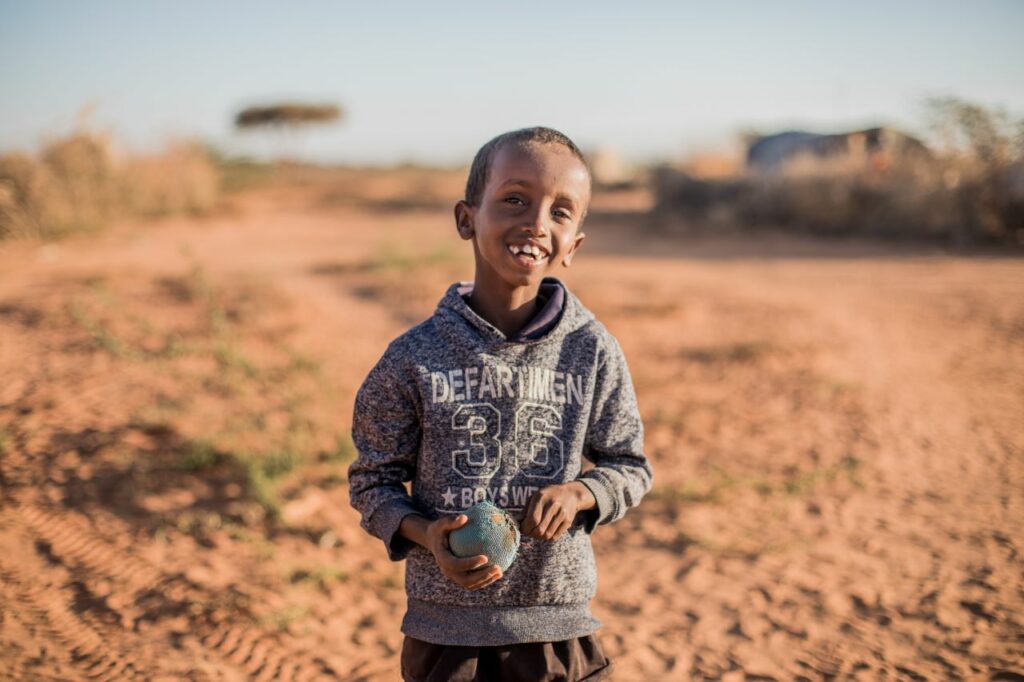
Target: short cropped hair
column 480, row 170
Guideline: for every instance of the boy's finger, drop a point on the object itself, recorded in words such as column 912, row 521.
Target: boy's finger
column 491, row 576
column 534, row 515
column 456, row 521
column 477, row 584
column 484, row 584
column 528, row 522
column 552, row 519
column 470, row 563
column 562, row 527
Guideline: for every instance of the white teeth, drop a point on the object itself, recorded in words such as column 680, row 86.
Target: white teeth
column 529, row 249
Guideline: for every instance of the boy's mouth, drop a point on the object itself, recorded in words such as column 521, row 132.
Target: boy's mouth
column 528, row 255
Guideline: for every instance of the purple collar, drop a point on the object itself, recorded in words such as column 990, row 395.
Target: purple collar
column 551, row 299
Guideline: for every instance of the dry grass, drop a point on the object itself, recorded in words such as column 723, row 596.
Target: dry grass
column 950, row 200
column 79, row 183
column 969, row 190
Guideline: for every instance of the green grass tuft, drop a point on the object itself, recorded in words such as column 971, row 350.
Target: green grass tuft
column 101, row 335
column 199, row 455
column 730, row 353
column 301, row 362
column 230, row 359
column 344, row 449
column 320, row 577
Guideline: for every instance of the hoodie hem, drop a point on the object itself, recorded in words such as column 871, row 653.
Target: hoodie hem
column 496, row 625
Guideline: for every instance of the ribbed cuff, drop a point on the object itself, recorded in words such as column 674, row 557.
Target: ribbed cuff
column 605, row 503
column 385, row 523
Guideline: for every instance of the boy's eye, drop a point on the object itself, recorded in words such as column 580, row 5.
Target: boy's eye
column 561, row 213
column 513, row 200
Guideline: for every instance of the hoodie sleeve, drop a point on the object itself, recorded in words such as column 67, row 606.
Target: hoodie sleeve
column 622, row 474
column 386, row 434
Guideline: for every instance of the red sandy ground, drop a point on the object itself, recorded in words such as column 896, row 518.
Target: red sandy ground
column 835, row 431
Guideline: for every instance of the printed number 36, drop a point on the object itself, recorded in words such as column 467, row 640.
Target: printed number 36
column 539, row 452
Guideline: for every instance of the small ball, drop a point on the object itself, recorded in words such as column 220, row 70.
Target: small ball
column 489, row 531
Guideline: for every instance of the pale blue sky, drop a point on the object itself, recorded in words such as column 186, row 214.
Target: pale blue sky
column 431, row 81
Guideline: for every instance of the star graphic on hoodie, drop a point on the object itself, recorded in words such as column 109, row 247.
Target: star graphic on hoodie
column 449, row 497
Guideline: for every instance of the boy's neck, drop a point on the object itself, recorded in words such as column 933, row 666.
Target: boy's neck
column 508, row 309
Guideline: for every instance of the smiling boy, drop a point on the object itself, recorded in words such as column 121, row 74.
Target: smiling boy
column 501, row 395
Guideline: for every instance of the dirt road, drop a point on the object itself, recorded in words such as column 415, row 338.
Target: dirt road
column 836, row 436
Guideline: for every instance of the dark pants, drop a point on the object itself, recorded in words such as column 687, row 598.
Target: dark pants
column 566, row 661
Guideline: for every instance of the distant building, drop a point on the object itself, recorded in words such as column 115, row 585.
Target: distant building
column 877, row 146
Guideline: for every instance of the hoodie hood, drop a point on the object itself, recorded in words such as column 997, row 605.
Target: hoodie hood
column 561, row 313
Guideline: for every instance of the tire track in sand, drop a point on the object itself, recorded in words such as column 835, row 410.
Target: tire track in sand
column 117, row 594
column 45, row 614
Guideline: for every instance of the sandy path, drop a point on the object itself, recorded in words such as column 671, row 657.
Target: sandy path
column 836, row 442
column 915, row 571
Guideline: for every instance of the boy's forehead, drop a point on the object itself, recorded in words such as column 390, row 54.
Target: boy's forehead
column 539, row 164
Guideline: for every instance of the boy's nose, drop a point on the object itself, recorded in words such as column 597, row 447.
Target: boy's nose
column 537, row 224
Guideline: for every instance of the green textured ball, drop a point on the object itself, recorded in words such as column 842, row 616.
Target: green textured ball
column 490, row 531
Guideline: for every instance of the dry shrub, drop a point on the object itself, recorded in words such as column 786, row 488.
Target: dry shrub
column 907, row 199
column 78, row 183
column 934, row 201
column 969, row 190
column 952, row 200
column 182, row 179
column 25, row 188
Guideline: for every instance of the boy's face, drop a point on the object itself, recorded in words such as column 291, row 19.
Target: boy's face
column 535, row 197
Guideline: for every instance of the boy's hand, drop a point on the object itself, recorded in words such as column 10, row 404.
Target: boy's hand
column 551, row 510
column 459, row 569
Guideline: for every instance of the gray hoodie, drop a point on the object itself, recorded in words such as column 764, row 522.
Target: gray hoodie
column 467, row 414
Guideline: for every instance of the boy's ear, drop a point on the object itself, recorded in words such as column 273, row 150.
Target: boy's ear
column 464, row 219
column 576, row 244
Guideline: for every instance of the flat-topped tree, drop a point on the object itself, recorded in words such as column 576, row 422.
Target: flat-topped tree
column 287, row 117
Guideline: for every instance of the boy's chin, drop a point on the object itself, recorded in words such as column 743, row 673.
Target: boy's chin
column 530, row 276
column 517, row 277
column 525, row 279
